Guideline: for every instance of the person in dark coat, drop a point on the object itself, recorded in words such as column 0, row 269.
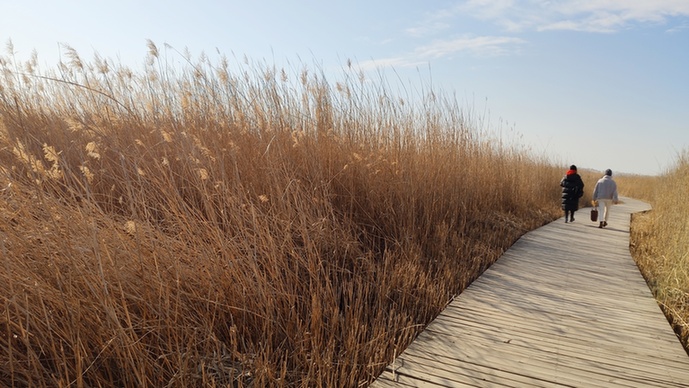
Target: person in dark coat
column 572, row 190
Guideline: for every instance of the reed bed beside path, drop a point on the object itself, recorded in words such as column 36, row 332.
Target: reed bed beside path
column 236, row 224
column 659, row 241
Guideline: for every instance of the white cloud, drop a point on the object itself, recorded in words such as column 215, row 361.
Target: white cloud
column 482, row 46
column 678, row 28
column 427, row 29
column 599, row 16
column 577, row 15
column 603, row 23
column 489, row 9
column 511, row 15
column 375, row 64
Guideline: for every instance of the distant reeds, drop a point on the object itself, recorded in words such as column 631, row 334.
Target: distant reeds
column 659, row 240
column 236, row 224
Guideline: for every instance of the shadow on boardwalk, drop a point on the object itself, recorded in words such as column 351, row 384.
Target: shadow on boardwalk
column 565, row 306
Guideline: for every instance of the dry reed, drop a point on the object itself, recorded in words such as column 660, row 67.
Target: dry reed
column 217, row 224
column 659, row 241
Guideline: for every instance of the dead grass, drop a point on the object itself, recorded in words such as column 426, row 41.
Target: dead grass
column 238, row 224
column 659, row 240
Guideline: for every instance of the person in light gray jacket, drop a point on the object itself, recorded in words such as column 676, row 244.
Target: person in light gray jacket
column 605, row 195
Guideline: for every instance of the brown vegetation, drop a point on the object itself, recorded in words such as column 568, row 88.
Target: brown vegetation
column 203, row 226
column 659, row 240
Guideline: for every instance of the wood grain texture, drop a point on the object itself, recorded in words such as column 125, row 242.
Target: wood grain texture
column 565, row 306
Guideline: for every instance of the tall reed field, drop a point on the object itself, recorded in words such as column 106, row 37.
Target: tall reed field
column 660, row 238
column 220, row 223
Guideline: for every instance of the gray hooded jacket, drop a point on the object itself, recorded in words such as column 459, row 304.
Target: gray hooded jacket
column 606, row 188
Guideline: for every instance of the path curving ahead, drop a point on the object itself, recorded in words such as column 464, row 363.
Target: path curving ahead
column 565, row 306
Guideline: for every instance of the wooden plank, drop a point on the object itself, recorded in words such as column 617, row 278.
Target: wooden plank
column 536, row 348
column 564, row 307
column 547, row 341
column 523, row 370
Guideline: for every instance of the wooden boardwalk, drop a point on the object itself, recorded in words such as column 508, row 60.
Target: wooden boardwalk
column 565, row 306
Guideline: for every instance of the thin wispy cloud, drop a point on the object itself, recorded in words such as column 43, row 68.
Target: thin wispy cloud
column 601, row 23
column 394, row 62
column 518, row 16
column 602, row 16
column 427, row 29
column 678, row 29
column 475, row 46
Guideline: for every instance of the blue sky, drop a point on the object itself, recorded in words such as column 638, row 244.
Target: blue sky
column 599, row 83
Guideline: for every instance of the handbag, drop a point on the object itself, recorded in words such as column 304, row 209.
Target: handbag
column 594, row 214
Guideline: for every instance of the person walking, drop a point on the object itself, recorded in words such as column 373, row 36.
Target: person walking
column 572, row 190
column 604, row 196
